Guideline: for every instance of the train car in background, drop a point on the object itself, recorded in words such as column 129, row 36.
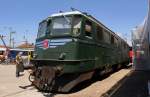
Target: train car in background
column 141, row 43
column 72, row 47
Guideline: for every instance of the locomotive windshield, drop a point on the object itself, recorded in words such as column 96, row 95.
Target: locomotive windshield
column 42, row 29
column 65, row 24
column 76, row 25
column 61, row 26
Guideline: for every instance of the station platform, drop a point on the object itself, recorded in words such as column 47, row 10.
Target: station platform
column 135, row 84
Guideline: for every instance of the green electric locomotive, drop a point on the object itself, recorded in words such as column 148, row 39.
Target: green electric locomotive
column 73, row 46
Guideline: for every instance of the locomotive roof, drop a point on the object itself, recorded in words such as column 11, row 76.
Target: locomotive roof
column 67, row 13
column 89, row 17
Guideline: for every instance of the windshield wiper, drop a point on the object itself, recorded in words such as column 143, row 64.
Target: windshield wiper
column 48, row 30
column 68, row 21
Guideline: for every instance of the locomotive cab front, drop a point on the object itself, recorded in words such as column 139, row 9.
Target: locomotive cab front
column 57, row 42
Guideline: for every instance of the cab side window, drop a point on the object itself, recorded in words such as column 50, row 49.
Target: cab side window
column 99, row 33
column 106, row 36
column 112, row 39
column 88, row 28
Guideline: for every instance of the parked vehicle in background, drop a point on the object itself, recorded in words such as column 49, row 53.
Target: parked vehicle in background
column 25, row 55
column 2, row 54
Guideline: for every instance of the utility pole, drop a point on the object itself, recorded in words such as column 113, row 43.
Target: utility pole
column 13, row 42
column 25, row 38
column 10, row 38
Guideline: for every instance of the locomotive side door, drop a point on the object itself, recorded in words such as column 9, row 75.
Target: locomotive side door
column 87, row 48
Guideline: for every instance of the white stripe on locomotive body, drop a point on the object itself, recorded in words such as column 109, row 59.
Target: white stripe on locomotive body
column 53, row 43
column 61, row 40
column 52, row 46
column 38, row 43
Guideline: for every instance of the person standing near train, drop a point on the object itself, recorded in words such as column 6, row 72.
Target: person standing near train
column 29, row 57
column 131, row 55
column 19, row 64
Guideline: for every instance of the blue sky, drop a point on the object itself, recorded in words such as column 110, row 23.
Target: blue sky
column 23, row 16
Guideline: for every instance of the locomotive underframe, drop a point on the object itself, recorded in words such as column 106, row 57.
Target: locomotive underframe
column 50, row 78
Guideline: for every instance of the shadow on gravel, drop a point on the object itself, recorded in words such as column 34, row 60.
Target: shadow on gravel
column 25, row 87
column 87, row 83
column 84, row 84
column 133, row 85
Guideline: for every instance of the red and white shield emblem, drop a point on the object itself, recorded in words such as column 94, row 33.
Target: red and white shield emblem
column 45, row 44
